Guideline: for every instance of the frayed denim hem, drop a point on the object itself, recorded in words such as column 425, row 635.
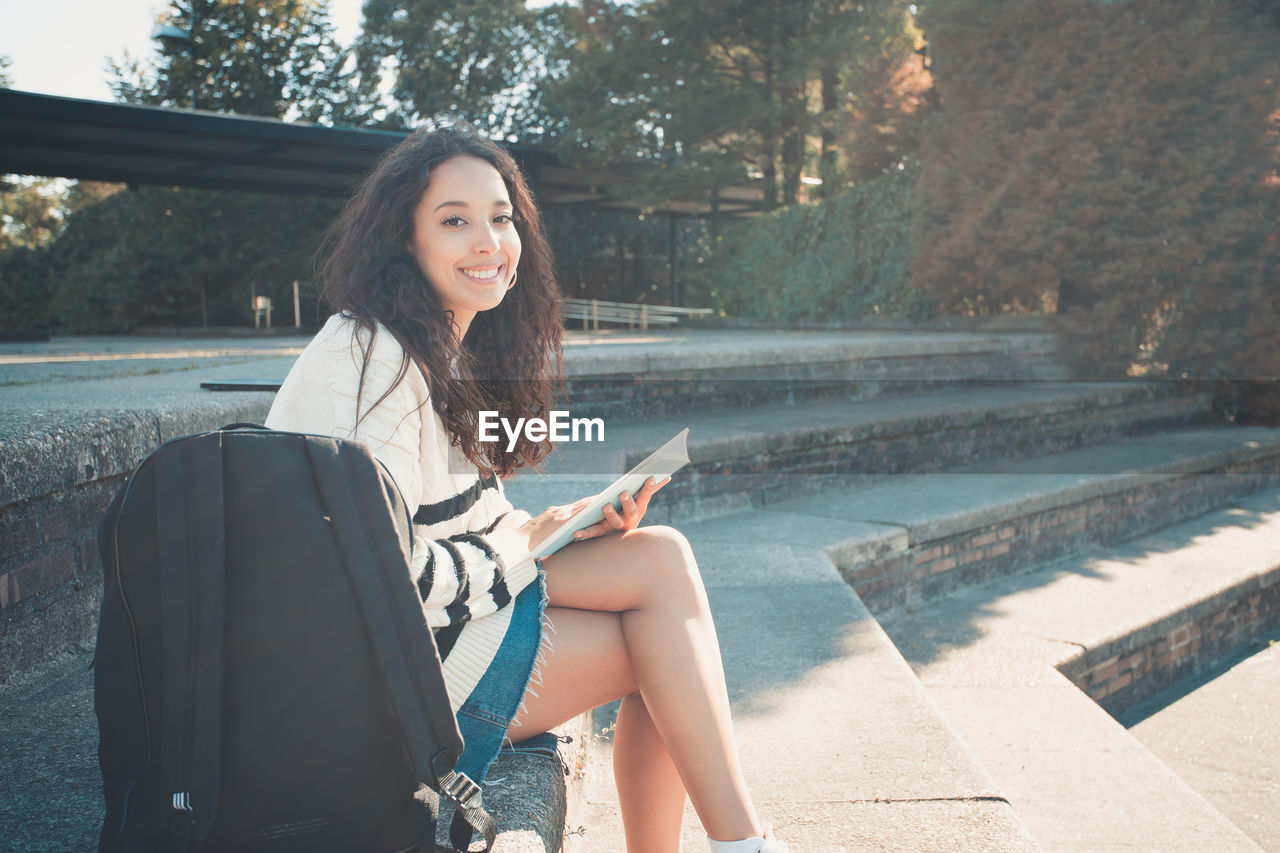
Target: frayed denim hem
column 485, row 716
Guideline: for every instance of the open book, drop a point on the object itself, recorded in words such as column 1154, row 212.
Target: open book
column 667, row 459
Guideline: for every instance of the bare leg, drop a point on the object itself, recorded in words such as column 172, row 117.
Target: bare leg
column 669, row 648
column 650, row 790
column 585, row 665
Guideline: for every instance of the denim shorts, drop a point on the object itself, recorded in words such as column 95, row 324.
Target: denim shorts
column 489, row 709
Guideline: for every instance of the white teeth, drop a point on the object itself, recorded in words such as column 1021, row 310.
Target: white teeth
column 493, row 273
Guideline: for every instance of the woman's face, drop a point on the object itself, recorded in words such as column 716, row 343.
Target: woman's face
column 464, row 239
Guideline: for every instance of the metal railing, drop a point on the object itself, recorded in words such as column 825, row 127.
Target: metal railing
column 597, row 311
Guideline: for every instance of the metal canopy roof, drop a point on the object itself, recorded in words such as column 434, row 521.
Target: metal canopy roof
column 138, row 145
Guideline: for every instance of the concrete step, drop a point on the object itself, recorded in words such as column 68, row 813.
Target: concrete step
column 925, row 535
column 51, row 788
column 684, row 370
column 1009, row 662
column 762, row 455
column 614, row 373
column 905, row 539
column 1217, row 731
column 814, row 685
column 842, row 749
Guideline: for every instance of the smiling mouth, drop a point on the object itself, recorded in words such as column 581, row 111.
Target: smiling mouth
column 483, row 275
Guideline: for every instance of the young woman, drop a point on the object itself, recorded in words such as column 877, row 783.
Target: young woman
column 447, row 306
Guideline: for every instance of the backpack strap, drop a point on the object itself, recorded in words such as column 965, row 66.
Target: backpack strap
column 467, row 819
column 377, row 567
column 191, row 558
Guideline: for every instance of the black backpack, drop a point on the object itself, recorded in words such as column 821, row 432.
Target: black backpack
column 265, row 680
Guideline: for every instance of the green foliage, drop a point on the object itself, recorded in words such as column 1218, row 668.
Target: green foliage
column 34, row 213
column 274, row 58
column 845, row 258
column 716, row 91
column 1116, row 162
column 168, row 257
column 708, row 95
column 25, row 291
column 164, row 257
column 30, row 214
column 481, row 61
column 626, row 257
column 161, row 256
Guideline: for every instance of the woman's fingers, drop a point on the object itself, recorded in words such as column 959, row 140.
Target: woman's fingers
column 600, row 528
column 613, row 522
column 647, row 491
column 633, row 510
column 630, row 512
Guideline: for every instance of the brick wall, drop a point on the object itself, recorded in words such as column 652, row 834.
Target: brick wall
column 48, row 541
column 935, row 566
column 1120, row 674
column 666, row 391
column 50, row 573
column 814, row 457
column 56, row 481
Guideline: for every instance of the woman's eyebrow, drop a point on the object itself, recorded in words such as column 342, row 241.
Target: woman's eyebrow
column 499, row 203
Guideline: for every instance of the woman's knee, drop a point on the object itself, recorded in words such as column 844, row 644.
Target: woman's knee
column 667, row 559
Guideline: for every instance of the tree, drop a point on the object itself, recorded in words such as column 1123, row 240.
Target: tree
column 30, row 212
column 275, row 58
column 29, row 221
column 717, row 90
column 1114, row 162
column 480, row 61
column 112, row 274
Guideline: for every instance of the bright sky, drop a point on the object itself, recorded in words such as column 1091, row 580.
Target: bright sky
column 59, row 47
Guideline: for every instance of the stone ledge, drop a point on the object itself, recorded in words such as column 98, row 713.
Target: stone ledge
column 955, row 529
column 706, row 351
column 527, row 791
column 1005, row 662
column 51, row 791
column 842, row 748
column 59, row 449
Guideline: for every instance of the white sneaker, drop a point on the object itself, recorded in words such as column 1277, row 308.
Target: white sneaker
column 766, row 844
column 771, row 844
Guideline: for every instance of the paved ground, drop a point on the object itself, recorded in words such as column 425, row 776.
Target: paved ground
column 23, row 363
column 1079, row 781
column 1220, row 732
column 1220, row 736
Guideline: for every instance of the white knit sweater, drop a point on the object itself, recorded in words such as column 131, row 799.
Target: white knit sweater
column 469, row 561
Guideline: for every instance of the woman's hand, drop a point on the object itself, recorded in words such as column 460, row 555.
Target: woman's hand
column 633, row 510
column 546, row 522
column 549, row 520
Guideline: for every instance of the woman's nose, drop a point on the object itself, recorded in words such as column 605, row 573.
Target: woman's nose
column 487, row 239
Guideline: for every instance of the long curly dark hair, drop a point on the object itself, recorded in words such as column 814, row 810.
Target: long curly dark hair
column 510, row 359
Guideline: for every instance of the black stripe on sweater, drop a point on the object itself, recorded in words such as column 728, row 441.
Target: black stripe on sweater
column 460, row 573
column 445, row 638
column 501, row 594
column 494, row 526
column 428, row 577
column 456, row 505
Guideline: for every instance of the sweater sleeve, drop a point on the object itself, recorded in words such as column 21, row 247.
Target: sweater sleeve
column 461, row 576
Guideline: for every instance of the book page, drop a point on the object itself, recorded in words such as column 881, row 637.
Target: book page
column 667, row 459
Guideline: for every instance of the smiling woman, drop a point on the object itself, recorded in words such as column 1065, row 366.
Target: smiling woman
column 464, row 238
column 447, row 314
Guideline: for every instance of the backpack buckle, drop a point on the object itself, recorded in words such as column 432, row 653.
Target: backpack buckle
column 461, row 789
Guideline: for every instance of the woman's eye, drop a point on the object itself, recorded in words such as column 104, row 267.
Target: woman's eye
column 503, row 218
column 454, row 221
